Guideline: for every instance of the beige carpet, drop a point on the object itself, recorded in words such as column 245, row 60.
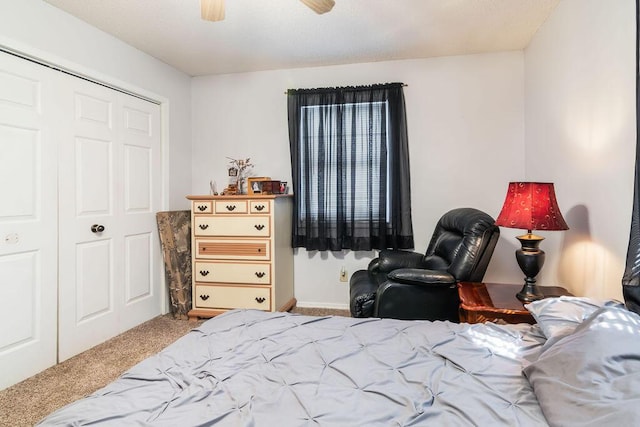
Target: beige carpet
column 27, row 402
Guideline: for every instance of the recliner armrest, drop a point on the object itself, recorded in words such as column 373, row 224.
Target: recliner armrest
column 362, row 292
column 434, row 299
column 417, row 276
column 389, row 260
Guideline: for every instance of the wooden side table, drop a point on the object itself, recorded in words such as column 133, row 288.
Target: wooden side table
column 497, row 302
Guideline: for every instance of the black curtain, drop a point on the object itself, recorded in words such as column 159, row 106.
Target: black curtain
column 351, row 187
column 631, row 278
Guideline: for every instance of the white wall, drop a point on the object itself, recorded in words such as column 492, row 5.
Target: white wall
column 580, row 134
column 575, row 81
column 41, row 30
column 466, row 135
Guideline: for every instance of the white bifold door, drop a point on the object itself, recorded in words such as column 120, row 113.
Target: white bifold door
column 109, row 191
column 79, row 187
column 28, row 221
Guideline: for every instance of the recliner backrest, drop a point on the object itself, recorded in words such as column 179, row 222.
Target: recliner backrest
column 462, row 243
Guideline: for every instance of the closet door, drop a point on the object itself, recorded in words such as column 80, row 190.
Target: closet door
column 28, row 221
column 109, row 192
column 140, row 200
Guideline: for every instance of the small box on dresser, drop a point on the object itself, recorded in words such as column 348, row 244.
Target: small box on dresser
column 242, row 255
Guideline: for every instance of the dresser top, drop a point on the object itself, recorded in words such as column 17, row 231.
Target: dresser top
column 238, row 197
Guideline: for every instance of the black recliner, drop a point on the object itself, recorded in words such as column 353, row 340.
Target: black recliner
column 409, row 285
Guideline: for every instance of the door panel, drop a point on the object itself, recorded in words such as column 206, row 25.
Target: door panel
column 89, row 273
column 93, row 111
column 28, row 221
column 20, row 168
column 93, row 176
column 20, row 270
column 138, row 267
column 137, row 178
column 113, row 283
column 141, row 162
column 94, row 280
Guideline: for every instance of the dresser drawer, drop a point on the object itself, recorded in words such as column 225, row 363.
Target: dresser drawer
column 246, row 249
column 259, row 206
column 245, row 225
column 202, row 207
column 229, row 297
column 230, row 206
column 226, row 272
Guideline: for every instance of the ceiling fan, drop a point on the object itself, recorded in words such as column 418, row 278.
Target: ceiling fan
column 213, row 10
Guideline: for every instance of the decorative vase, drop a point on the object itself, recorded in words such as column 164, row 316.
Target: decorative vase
column 241, row 182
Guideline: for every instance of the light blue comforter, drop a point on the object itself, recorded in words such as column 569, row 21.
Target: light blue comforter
column 251, row 368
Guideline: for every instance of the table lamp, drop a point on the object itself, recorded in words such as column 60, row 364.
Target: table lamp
column 531, row 206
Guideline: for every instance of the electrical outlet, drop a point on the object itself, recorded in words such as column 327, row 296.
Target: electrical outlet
column 343, row 274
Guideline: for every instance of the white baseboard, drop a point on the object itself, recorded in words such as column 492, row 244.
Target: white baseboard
column 306, row 304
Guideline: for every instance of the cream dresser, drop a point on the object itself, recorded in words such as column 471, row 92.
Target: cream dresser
column 241, row 253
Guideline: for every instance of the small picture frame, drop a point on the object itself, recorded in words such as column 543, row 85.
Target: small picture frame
column 270, row 187
column 254, row 184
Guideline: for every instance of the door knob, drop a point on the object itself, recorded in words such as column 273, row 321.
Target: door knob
column 97, row 228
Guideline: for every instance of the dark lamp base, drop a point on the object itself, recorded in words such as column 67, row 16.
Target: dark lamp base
column 530, row 259
column 529, row 293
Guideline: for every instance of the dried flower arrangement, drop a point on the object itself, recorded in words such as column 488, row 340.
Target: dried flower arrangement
column 240, row 166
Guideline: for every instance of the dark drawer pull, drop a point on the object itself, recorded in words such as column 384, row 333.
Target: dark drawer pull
column 202, row 208
column 204, row 297
column 260, row 300
column 259, row 208
column 203, row 226
column 231, row 207
column 260, row 274
column 259, row 227
column 203, row 272
column 97, row 228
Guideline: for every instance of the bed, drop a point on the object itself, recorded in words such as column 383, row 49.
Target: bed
column 580, row 365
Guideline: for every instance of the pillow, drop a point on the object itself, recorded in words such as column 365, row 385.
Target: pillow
column 559, row 317
column 591, row 377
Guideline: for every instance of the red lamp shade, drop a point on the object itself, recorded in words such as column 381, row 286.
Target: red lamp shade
column 531, row 206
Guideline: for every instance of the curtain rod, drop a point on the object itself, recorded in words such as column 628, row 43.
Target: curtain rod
column 403, row 85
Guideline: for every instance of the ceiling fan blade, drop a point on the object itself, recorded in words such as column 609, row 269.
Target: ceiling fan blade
column 212, row 10
column 319, row 6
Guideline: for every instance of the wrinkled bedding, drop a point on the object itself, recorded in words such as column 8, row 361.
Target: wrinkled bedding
column 252, row 368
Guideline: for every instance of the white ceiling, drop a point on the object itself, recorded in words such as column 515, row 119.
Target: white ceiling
column 275, row 34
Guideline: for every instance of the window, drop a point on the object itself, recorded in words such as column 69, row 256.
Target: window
column 350, row 164
column 350, row 168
